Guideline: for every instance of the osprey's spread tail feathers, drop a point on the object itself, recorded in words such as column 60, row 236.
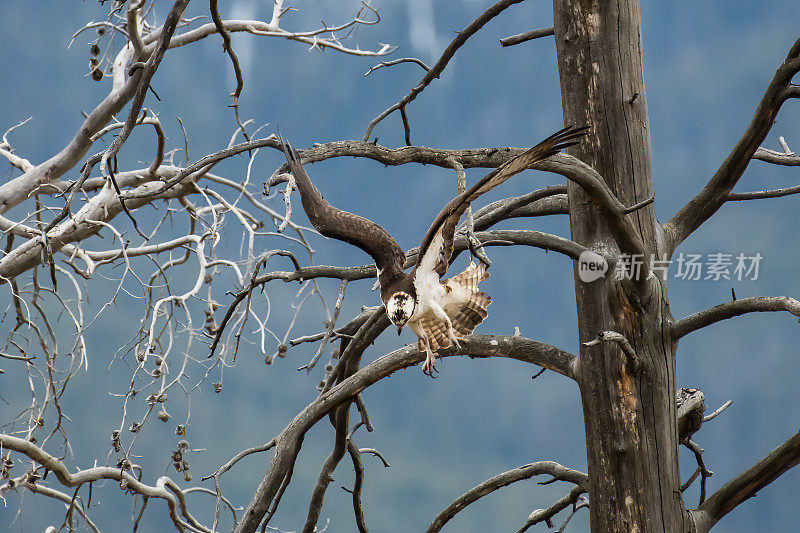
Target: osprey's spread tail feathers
column 467, row 317
column 447, row 220
column 471, row 276
column 341, row 225
column 436, row 330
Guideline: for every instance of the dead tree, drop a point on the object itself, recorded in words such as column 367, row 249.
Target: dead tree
column 635, row 415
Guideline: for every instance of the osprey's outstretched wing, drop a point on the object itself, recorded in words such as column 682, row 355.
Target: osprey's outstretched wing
column 341, row 225
column 441, row 249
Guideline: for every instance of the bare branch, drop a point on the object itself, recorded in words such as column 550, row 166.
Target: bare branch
column 406, row 126
column 512, row 347
column 718, row 189
column 85, row 223
column 468, row 158
column 70, row 501
column 705, row 473
column 134, row 27
column 377, row 454
column 358, row 485
column 347, row 330
column 445, row 58
column 714, row 415
column 226, row 45
column 6, row 151
column 789, row 159
column 581, row 503
column 527, row 36
column 491, row 214
column 143, row 74
column 239, row 456
column 756, row 304
column 362, row 410
column 469, row 219
column 536, row 239
column 339, row 419
column 314, row 38
column 639, row 205
column 499, row 481
column 747, row 484
column 601, row 195
column 761, row 195
column 328, row 330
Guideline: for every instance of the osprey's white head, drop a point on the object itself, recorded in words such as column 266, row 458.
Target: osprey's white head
column 400, row 307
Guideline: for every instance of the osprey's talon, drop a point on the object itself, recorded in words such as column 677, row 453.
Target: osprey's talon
column 429, row 366
column 455, row 339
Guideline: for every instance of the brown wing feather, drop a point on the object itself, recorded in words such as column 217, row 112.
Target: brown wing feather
column 341, row 225
column 448, row 218
column 471, row 314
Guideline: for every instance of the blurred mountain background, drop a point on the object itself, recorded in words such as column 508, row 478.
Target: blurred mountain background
column 706, row 67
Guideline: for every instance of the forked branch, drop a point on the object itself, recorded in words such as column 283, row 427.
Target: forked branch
column 716, row 192
column 557, row 471
column 440, row 65
column 288, row 441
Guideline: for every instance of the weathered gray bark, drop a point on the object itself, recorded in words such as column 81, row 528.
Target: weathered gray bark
column 631, row 436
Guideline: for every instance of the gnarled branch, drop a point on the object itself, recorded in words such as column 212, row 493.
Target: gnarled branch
column 174, row 496
column 288, row 442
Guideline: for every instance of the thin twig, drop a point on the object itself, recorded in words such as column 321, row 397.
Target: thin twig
column 328, row 331
column 718, row 411
column 382, row 64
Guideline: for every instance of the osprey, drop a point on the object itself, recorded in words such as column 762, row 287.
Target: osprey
column 439, row 312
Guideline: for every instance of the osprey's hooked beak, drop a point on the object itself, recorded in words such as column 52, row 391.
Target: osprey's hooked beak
column 399, row 330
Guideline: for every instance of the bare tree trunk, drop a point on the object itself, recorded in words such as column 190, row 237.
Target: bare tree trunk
column 631, row 437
